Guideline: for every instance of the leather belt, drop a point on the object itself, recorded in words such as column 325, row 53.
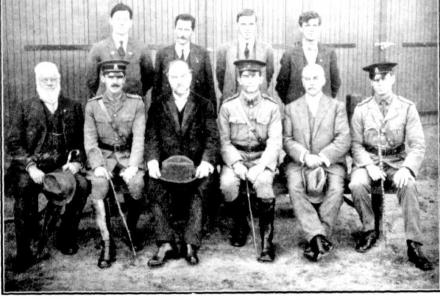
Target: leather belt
column 114, row 148
column 385, row 152
column 257, row 148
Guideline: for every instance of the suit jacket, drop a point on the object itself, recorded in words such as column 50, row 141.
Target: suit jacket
column 197, row 138
column 29, row 129
column 401, row 124
column 289, row 84
column 139, row 73
column 330, row 136
column 200, row 64
column 226, row 70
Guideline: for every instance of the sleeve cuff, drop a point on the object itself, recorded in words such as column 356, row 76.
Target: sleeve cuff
column 303, row 156
column 325, row 159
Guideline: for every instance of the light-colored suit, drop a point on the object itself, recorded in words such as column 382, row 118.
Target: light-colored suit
column 329, row 137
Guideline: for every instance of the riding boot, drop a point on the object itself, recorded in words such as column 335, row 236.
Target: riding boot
column 240, row 226
column 108, row 254
column 267, row 212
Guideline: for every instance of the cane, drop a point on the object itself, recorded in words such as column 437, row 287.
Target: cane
column 122, row 216
column 251, row 216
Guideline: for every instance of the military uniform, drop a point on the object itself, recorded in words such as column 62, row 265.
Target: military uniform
column 390, row 124
column 239, row 143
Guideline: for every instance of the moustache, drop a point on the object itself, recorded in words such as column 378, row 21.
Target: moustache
column 115, row 85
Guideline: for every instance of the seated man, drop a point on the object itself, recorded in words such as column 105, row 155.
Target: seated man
column 381, row 125
column 316, row 139
column 114, row 130
column 45, row 132
column 181, row 132
column 251, row 137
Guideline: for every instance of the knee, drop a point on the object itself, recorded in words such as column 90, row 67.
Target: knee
column 99, row 187
column 136, row 187
column 357, row 185
column 228, row 182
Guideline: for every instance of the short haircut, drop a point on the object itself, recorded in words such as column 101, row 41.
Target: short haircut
column 121, row 7
column 307, row 16
column 186, row 17
column 314, row 67
column 45, row 66
column 246, row 13
column 177, row 62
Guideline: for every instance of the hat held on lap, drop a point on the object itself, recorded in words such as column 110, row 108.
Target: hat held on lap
column 314, row 180
column 59, row 187
column 178, row 169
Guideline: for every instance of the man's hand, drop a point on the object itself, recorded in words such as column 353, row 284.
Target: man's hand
column 128, row 173
column 153, row 169
column 375, row 172
column 254, row 172
column 240, row 169
column 73, row 167
column 204, row 169
column 102, row 172
column 312, row 161
column 36, row 174
column 402, row 177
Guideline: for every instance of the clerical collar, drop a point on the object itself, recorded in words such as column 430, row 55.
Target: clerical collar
column 309, row 44
column 117, row 39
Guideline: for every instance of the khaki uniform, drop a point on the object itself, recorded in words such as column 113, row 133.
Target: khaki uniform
column 401, row 135
column 128, row 116
column 236, row 136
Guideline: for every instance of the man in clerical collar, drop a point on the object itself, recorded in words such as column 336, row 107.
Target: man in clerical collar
column 248, row 46
column 316, row 139
column 181, row 129
column 140, row 71
column 387, row 145
column 251, row 138
column 202, row 83
column 114, row 130
column 308, row 51
column 45, row 137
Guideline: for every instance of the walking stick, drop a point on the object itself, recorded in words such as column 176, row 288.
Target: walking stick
column 121, row 214
column 251, row 216
column 382, row 189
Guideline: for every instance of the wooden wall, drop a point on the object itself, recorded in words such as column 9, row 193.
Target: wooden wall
column 63, row 30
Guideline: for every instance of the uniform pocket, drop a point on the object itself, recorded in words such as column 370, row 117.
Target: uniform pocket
column 239, row 129
column 262, row 125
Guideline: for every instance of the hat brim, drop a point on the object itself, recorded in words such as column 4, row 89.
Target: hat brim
column 177, row 181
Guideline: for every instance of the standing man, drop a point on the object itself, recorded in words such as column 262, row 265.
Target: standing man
column 195, row 56
column 181, row 133
column 316, row 139
column 308, row 51
column 386, row 122
column 139, row 73
column 45, row 132
column 248, row 46
column 114, row 131
column 251, row 138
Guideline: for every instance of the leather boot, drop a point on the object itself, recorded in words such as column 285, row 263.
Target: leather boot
column 416, row 256
column 240, row 226
column 134, row 208
column 267, row 213
column 108, row 254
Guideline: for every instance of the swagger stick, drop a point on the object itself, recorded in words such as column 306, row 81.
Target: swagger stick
column 251, row 216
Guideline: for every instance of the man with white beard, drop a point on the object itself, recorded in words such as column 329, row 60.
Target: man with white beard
column 46, row 140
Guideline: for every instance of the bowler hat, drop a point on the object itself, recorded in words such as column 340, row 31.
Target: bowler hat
column 59, row 186
column 314, row 180
column 178, row 169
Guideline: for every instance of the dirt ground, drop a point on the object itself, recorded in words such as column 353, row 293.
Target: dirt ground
column 224, row 268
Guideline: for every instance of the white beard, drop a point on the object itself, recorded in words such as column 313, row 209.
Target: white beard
column 49, row 97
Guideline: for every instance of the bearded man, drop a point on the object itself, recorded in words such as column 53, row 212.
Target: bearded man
column 46, row 136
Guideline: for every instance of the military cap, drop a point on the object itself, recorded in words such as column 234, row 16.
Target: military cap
column 113, row 66
column 249, row 65
column 379, row 69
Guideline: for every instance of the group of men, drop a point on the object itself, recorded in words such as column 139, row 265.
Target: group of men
column 168, row 156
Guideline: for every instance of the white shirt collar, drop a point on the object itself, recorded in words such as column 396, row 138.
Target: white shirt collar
column 117, row 39
column 309, row 45
column 180, row 101
column 185, row 48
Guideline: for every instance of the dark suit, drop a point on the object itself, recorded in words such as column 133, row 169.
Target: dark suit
column 28, row 144
column 289, row 84
column 139, row 72
column 200, row 64
column 197, row 138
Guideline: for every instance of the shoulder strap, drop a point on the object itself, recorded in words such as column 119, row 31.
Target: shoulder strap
column 110, row 120
column 248, row 122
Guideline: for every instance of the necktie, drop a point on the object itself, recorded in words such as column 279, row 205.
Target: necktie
column 182, row 56
column 121, row 50
column 246, row 51
column 384, row 107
